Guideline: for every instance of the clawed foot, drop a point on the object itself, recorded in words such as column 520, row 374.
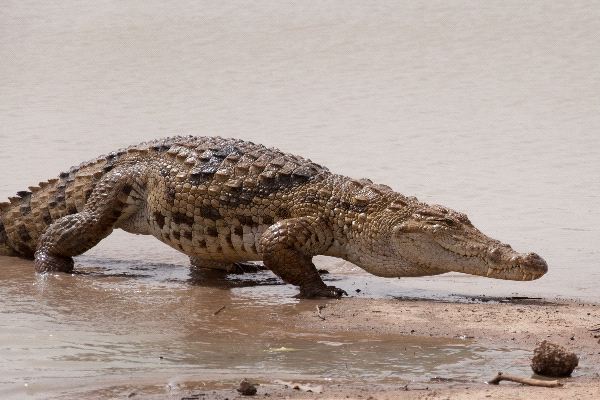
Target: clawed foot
column 45, row 262
column 321, row 291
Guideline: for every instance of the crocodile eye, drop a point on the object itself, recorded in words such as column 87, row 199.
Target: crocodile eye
column 441, row 222
column 449, row 221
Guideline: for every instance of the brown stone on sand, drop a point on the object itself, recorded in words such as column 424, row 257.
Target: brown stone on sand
column 246, row 388
column 550, row 359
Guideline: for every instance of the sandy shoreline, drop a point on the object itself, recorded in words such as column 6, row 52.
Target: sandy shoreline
column 524, row 323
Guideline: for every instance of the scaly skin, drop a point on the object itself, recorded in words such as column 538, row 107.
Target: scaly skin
column 225, row 201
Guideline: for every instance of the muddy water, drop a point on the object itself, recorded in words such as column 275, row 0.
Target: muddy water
column 490, row 109
column 128, row 325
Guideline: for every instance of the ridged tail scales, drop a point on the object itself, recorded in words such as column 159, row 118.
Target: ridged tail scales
column 28, row 214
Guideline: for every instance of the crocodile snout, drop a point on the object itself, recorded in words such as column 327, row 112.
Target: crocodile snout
column 531, row 264
column 505, row 263
column 535, row 263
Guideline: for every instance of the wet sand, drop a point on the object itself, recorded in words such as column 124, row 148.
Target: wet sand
column 521, row 323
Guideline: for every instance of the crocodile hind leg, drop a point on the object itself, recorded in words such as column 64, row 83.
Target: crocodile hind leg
column 76, row 233
column 229, row 267
column 287, row 248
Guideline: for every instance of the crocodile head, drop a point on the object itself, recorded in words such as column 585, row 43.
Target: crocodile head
column 435, row 240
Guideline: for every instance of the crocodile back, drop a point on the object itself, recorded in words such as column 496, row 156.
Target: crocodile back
column 241, row 170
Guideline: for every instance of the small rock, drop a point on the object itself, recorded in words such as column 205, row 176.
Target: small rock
column 550, row 359
column 246, row 388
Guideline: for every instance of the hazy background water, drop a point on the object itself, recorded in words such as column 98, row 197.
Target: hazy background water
column 491, row 107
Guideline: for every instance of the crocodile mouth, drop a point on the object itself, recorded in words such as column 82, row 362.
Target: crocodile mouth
column 493, row 262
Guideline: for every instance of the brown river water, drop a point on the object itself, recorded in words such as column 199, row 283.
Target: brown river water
column 490, row 108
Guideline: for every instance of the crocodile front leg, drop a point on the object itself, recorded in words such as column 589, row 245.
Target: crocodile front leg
column 76, row 233
column 287, row 248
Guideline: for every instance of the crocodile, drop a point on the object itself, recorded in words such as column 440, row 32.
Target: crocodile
column 225, row 201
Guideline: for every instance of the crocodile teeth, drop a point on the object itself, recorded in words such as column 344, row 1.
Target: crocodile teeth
column 489, row 271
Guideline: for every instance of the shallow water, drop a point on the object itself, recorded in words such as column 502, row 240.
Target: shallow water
column 491, row 109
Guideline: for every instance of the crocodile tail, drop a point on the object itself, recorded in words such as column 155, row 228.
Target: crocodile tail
column 27, row 216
